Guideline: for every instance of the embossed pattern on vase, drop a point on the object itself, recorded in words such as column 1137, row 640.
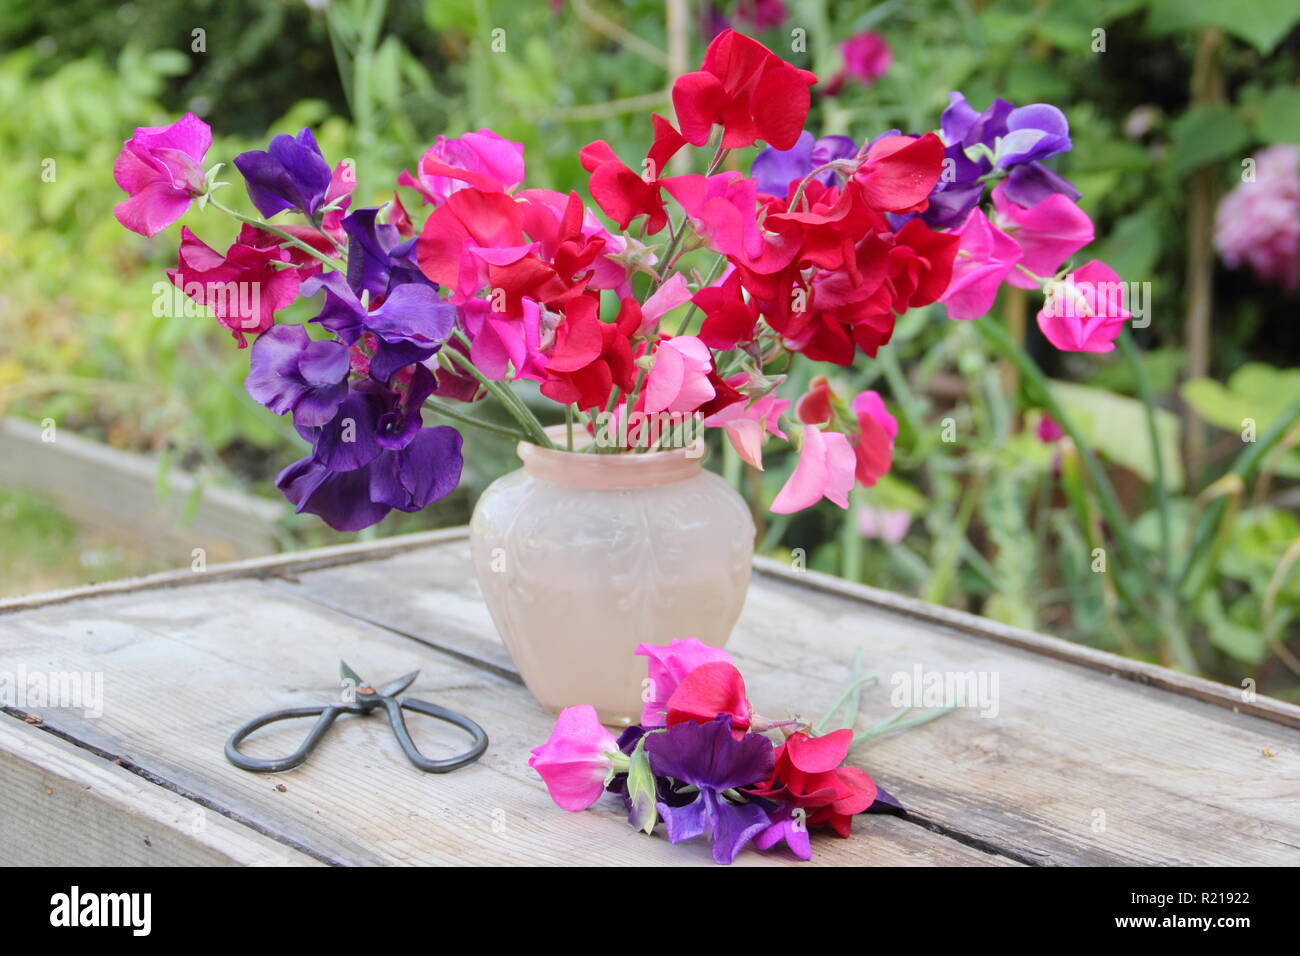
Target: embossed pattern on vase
column 576, row 578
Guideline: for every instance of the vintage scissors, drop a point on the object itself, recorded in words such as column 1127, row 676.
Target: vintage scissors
column 362, row 699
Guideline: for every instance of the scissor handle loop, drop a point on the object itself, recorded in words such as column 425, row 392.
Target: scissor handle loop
column 428, row 765
column 328, row 714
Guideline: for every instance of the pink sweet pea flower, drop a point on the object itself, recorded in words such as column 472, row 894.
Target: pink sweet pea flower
column 342, row 184
column 668, row 664
column 1048, row 233
column 1048, row 431
column 722, row 209
column 667, row 297
column 483, row 160
column 825, row 470
column 1085, row 312
column 748, row 424
column 161, row 167
column 883, row 523
column 874, row 448
column 711, row 689
column 500, row 343
column 576, row 759
column 679, row 379
column 985, row 257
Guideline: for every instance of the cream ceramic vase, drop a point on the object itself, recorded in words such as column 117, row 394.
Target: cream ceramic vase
column 581, row 557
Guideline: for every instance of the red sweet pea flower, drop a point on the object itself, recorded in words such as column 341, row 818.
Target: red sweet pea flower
column 590, row 356
column 747, row 89
column 624, row 194
column 900, row 172
column 728, row 318
column 241, row 288
column 469, row 231
column 707, row 691
column 808, row 775
column 308, row 265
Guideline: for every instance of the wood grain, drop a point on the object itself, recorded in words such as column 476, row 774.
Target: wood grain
column 1081, row 765
column 184, row 666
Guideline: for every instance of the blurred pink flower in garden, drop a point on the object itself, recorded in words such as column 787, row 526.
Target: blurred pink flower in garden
column 161, row 169
column 1048, row 430
column 866, row 56
column 1258, row 223
column 887, row 524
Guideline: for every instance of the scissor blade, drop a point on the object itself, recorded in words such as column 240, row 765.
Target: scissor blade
column 347, row 673
column 396, row 686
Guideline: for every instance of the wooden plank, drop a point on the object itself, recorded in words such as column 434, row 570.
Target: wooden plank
column 60, row 807
column 1167, row 777
column 116, row 493
column 184, row 666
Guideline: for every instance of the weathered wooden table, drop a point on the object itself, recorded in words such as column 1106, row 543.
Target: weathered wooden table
column 1090, row 759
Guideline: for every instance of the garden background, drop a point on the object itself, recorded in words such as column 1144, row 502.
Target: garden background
column 1182, row 550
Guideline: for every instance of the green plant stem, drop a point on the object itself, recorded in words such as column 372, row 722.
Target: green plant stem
column 513, row 404
column 1129, row 348
column 1207, row 527
column 895, row 723
column 856, row 684
column 447, row 412
column 335, row 264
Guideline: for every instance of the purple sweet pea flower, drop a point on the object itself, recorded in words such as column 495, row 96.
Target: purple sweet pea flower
column 708, row 757
column 288, row 372
column 374, row 455
column 1030, row 184
column 290, row 174
column 410, row 325
column 775, row 169
column 1033, row 132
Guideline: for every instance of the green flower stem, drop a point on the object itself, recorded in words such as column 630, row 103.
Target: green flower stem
column 1250, row 457
column 336, row 264
column 512, row 402
column 1129, row 349
column 856, row 684
column 895, row 723
column 1165, row 618
column 447, row 412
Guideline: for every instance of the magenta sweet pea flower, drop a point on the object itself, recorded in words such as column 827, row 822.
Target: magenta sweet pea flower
column 985, row 257
column 866, row 56
column 679, row 379
column 500, row 343
column 577, row 759
column 723, row 209
column 1048, row 233
column 1085, row 311
column 668, row 664
column 161, row 167
column 826, row 469
column 482, row 159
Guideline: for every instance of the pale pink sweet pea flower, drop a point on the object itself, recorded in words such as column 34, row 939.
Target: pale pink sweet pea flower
column 747, row 424
column 825, row 470
column 985, row 257
column 161, row 168
column 1085, row 311
column 1048, row 233
column 576, row 759
column 667, row 666
column 887, row 524
column 679, row 379
column 667, row 297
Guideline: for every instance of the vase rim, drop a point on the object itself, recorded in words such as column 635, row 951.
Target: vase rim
column 583, row 470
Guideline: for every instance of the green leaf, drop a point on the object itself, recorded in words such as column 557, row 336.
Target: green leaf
column 1116, row 426
column 1275, row 115
column 1262, row 23
column 1257, row 392
column 642, row 790
column 1206, row 134
column 1246, row 644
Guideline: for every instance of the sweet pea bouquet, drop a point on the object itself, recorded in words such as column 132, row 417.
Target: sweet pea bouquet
column 815, row 253
column 706, row 764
